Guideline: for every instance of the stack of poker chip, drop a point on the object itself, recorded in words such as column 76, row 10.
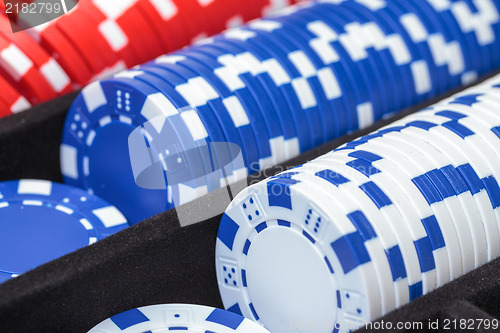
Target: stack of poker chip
column 177, row 317
column 98, row 38
column 41, row 221
column 275, row 88
column 370, row 226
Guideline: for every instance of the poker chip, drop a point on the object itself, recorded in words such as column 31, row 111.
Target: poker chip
column 403, row 210
column 21, row 72
column 181, row 77
column 12, row 100
column 177, row 317
column 48, row 67
column 52, row 40
column 41, row 221
column 275, row 88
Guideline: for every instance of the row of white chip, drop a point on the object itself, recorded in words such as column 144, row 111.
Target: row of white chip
column 342, row 240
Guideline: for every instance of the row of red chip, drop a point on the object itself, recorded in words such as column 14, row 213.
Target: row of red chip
column 101, row 37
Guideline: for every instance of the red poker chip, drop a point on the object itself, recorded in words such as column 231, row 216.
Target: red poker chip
column 194, row 18
column 100, row 37
column 4, row 108
column 85, row 37
column 11, row 101
column 222, row 14
column 147, row 40
column 47, row 65
column 112, row 35
column 171, row 41
column 251, row 9
column 171, row 21
column 54, row 41
column 126, row 28
column 22, row 73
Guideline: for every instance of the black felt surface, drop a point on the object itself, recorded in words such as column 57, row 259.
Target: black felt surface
column 157, row 261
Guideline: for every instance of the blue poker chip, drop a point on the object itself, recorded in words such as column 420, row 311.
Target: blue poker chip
column 231, row 109
column 334, row 79
column 495, row 51
column 241, row 86
column 431, row 84
column 370, row 108
column 283, row 139
column 177, row 318
column 396, row 57
column 458, row 16
column 261, row 97
column 282, row 77
column 207, row 113
column 362, row 115
column 303, row 92
column 265, row 73
column 198, row 158
column 444, row 42
column 374, row 61
column 430, row 28
column 304, row 60
column 200, row 93
column 265, row 111
column 474, row 64
column 127, row 123
column 41, row 221
column 194, row 158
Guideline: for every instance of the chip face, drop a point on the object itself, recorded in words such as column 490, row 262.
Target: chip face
column 41, row 221
column 282, row 259
column 350, row 236
column 177, row 318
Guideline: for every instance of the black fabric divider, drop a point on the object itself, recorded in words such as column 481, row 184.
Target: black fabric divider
column 29, row 141
column 158, row 261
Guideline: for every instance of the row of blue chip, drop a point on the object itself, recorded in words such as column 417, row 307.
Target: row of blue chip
column 274, row 88
column 358, row 232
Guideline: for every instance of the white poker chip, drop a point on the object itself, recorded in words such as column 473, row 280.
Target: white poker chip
column 471, row 222
column 427, row 185
column 177, row 318
column 356, row 198
column 446, row 191
column 388, row 192
column 422, row 166
column 378, row 238
column 473, row 165
column 448, row 264
column 276, row 237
